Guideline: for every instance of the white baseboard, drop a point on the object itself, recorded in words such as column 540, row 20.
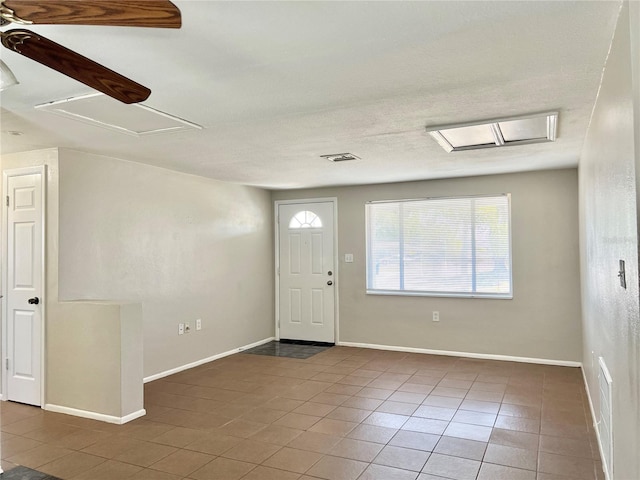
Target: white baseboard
column 595, row 422
column 197, row 363
column 485, row 356
column 1, row 397
column 94, row 415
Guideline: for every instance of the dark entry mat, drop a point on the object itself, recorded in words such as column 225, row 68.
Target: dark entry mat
column 24, row 473
column 288, row 349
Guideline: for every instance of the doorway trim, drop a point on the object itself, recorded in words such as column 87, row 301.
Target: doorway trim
column 17, row 172
column 336, row 258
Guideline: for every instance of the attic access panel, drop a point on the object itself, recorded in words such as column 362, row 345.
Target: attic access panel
column 536, row 128
column 102, row 111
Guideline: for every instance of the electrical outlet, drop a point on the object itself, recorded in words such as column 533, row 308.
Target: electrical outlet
column 199, row 324
column 187, row 328
column 436, row 316
column 180, row 328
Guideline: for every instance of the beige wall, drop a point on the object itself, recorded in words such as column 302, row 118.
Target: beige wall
column 543, row 319
column 184, row 246
column 608, row 233
column 88, row 367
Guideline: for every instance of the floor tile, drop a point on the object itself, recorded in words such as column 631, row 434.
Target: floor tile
column 415, row 440
column 474, row 418
column 276, row 434
column 461, row 447
column 490, row 471
column 315, row 442
column 567, row 446
column 373, row 433
column 252, row 451
column 109, row 470
column 314, row 409
column 144, row 454
column 520, row 424
column 39, row 456
column 267, row 473
column 381, row 472
column 511, row 457
column 297, row 420
column 293, row 460
column 342, row 413
column 512, row 438
column 182, row 462
column 436, row 413
column 71, row 465
column 425, row 425
column 455, row 468
column 148, row 474
column 401, row 457
column 223, row 469
column 574, row 467
column 356, row 449
column 333, row 427
column 382, row 419
column 335, row 468
column 445, row 402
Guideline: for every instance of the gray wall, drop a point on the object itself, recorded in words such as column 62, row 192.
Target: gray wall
column 608, row 233
column 543, row 319
column 184, row 246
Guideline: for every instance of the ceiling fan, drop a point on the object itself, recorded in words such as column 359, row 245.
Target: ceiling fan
column 140, row 13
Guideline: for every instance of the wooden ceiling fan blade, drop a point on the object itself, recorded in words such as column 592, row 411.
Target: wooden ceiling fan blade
column 74, row 65
column 140, row 13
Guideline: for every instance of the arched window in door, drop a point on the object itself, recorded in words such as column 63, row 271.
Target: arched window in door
column 305, row 219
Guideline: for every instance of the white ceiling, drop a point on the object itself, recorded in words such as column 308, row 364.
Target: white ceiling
column 277, row 84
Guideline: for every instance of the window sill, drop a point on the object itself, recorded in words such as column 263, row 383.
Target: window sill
column 408, row 293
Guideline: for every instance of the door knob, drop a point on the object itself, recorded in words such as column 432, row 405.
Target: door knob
column 329, row 273
column 329, row 282
column 34, row 301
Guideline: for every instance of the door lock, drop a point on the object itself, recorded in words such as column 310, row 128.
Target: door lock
column 34, row 301
column 329, row 283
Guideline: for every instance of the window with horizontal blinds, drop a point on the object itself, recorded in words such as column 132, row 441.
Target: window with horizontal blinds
column 440, row 246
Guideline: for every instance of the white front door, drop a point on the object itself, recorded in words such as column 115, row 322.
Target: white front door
column 24, row 284
column 307, row 274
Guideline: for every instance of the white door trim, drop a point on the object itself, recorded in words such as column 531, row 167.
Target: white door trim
column 17, row 172
column 276, row 205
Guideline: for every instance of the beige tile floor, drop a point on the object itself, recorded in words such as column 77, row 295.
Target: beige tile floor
column 343, row 414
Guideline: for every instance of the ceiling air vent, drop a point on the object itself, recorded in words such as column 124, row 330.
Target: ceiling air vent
column 535, row 128
column 340, row 157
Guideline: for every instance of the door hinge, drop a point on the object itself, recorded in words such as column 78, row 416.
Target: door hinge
column 7, row 200
column 6, row 363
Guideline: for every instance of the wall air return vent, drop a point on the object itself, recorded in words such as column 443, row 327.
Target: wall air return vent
column 605, row 422
column 535, row 128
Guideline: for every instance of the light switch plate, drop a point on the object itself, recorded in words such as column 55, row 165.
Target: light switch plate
column 348, row 257
column 622, row 275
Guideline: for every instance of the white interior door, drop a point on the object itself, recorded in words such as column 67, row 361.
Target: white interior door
column 306, row 272
column 24, row 285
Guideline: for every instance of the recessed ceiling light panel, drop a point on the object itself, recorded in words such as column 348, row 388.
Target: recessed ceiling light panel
column 497, row 133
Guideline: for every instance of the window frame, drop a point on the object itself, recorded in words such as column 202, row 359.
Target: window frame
column 420, row 293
